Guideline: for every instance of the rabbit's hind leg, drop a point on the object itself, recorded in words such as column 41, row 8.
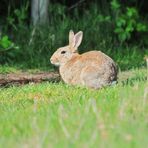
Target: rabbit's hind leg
column 90, row 78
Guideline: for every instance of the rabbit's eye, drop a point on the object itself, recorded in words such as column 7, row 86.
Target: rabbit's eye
column 62, row 52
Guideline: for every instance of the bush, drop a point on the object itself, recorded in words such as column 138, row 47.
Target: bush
column 111, row 32
column 6, row 47
column 126, row 22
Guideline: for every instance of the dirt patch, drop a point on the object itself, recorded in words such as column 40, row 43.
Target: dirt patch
column 132, row 76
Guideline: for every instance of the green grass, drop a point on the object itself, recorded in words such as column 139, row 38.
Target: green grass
column 5, row 69
column 59, row 115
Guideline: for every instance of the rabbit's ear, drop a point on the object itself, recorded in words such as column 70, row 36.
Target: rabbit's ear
column 78, row 39
column 71, row 38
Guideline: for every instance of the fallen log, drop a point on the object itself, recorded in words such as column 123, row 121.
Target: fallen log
column 24, row 78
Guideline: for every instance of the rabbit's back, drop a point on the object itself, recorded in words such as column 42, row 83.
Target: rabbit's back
column 79, row 66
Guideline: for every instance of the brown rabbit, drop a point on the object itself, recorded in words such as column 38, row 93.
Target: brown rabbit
column 93, row 69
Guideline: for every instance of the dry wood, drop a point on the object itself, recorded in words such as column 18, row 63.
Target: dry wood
column 23, row 78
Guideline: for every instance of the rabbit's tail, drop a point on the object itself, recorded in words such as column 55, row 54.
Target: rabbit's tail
column 114, row 83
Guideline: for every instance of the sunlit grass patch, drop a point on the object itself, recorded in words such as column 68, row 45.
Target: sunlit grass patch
column 60, row 115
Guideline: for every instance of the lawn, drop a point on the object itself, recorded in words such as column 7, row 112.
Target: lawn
column 54, row 114
column 59, row 115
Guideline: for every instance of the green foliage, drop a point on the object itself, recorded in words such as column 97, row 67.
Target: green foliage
column 102, row 31
column 18, row 17
column 5, row 42
column 22, row 14
column 126, row 22
column 59, row 13
column 7, row 49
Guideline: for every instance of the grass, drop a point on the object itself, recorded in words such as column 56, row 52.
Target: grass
column 5, row 69
column 59, row 115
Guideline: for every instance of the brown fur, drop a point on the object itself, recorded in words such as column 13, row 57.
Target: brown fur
column 93, row 69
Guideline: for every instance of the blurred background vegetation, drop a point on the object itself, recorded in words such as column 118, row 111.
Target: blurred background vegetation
column 119, row 28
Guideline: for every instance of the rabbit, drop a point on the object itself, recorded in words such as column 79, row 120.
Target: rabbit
column 92, row 69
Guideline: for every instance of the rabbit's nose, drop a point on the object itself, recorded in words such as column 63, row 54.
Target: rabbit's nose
column 51, row 60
